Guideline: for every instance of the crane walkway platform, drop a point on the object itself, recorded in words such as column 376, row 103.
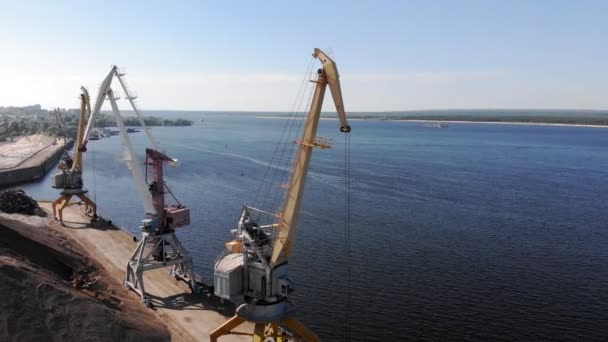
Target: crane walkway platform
column 190, row 317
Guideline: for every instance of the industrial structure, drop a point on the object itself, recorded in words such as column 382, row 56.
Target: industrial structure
column 69, row 179
column 255, row 270
column 159, row 246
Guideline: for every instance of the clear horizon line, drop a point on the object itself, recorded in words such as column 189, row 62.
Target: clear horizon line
column 383, row 111
column 354, row 111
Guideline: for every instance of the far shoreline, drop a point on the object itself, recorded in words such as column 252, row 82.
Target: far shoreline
column 457, row 122
column 503, row 123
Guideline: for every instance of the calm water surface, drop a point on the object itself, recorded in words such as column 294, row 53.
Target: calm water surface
column 475, row 232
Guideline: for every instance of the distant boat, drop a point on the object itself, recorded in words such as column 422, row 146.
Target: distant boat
column 108, row 132
column 440, row 125
column 132, row 130
column 94, row 136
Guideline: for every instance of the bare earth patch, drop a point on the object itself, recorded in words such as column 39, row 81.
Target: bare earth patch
column 54, row 291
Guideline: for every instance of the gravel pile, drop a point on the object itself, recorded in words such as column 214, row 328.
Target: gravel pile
column 16, row 201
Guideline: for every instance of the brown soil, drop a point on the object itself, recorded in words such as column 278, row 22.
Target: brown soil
column 52, row 290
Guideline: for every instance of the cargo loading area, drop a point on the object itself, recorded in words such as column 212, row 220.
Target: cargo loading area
column 190, row 317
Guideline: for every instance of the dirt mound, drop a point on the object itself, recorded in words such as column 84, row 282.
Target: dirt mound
column 16, row 201
column 53, row 291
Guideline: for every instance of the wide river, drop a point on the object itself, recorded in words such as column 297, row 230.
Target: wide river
column 473, row 232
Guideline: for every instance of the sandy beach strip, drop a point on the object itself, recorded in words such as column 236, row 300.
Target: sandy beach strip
column 302, row 118
column 454, row 121
column 502, row 123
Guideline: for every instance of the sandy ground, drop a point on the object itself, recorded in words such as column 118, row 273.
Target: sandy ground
column 190, row 317
column 37, row 147
column 54, row 291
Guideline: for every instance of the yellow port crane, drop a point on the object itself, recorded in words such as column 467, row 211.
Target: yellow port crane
column 256, row 266
column 69, row 179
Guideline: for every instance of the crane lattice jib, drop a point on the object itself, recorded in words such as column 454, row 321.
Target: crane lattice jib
column 84, row 104
column 328, row 75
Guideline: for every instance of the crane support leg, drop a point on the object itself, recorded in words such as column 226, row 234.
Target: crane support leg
column 226, row 328
column 56, row 203
column 158, row 251
column 301, row 330
column 64, row 200
column 88, row 204
column 259, row 332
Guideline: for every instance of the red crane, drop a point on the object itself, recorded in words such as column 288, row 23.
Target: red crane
column 159, row 246
column 167, row 217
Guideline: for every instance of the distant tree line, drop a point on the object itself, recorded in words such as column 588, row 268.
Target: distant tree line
column 15, row 121
column 105, row 120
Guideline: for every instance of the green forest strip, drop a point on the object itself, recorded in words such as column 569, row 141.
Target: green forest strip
column 11, row 126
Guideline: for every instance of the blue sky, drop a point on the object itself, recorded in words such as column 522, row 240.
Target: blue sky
column 251, row 55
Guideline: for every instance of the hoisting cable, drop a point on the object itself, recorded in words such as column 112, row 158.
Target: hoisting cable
column 288, row 147
column 279, row 143
column 295, row 147
column 347, row 233
column 94, row 178
column 282, row 141
column 166, row 187
column 93, row 169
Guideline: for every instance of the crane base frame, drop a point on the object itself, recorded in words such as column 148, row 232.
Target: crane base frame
column 264, row 330
column 145, row 258
column 65, row 199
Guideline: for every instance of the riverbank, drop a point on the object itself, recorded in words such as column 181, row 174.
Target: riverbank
column 77, row 285
column 302, row 118
column 501, row 123
column 55, row 290
column 29, row 158
column 189, row 317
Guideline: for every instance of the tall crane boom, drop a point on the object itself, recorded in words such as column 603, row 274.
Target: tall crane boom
column 330, row 71
column 103, row 90
column 101, row 97
column 159, row 246
column 70, row 180
column 106, row 92
column 85, row 107
column 59, row 119
column 256, row 269
column 130, row 158
column 289, row 218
